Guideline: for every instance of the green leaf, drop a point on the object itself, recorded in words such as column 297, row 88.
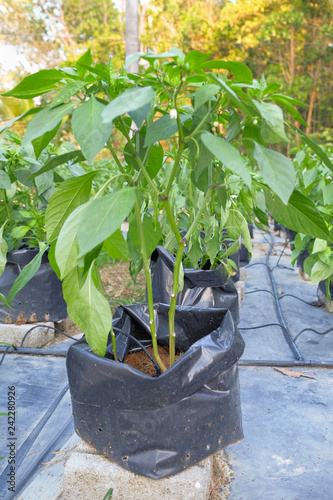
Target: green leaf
column 67, row 249
column 4, row 180
column 44, row 182
column 88, row 128
column 116, row 247
column 67, row 197
column 155, row 160
column 236, row 226
column 130, row 100
column 300, row 214
column 315, row 147
column 108, row 494
column 163, row 128
column 31, row 111
column 235, row 101
column 105, row 216
column 3, row 250
column 234, row 127
column 37, row 84
column 212, row 242
column 152, row 233
column 241, row 71
column 41, row 142
column 133, row 58
column 277, row 171
column 328, row 193
column 204, row 94
column 139, row 115
column 73, row 156
column 227, row 154
column 287, row 105
column 320, row 271
column 195, row 59
column 67, row 92
column 293, row 101
column 19, row 231
column 133, row 242
column 27, row 273
column 319, row 245
column 85, row 60
column 52, row 261
column 273, row 118
column 45, row 121
column 89, row 309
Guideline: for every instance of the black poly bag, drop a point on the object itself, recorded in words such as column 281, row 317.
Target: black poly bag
column 41, row 299
column 202, row 288
column 160, row 426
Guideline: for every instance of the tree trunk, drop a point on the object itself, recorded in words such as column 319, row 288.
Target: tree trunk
column 310, row 111
column 132, row 32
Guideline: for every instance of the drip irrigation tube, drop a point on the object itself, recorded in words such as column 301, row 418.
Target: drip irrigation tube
column 298, row 356
column 286, row 363
column 33, row 351
column 27, row 444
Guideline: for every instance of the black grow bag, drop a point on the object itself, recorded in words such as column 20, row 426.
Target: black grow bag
column 41, row 299
column 202, row 288
column 322, row 288
column 160, row 426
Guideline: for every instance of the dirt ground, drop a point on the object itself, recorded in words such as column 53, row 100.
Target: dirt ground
column 119, row 285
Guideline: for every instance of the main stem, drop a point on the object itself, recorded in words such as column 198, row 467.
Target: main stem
column 149, row 283
column 173, row 301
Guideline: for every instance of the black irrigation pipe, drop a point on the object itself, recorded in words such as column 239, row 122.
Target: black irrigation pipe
column 298, row 356
column 24, row 480
column 27, row 444
column 285, row 362
column 299, row 361
column 33, row 351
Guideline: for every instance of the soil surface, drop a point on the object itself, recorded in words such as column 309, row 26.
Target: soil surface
column 141, row 362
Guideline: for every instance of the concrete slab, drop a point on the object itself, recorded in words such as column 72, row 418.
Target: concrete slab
column 37, row 338
column 89, row 475
column 288, row 427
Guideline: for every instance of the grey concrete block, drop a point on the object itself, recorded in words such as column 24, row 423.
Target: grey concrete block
column 240, row 287
column 39, row 337
column 242, row 273
column 89, row 475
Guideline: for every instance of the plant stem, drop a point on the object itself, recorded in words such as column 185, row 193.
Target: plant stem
column 138, row 159
column 173, row 301
column 116, row 159
column 114, row 345
column 100, row 191
column 172, row 220
column 148, row 282
column 175, row 166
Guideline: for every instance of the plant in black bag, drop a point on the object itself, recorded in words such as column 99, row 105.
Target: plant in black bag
column 23, row 200
column 184, row 121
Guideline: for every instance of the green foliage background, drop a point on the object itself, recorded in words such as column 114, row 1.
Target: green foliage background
column 290, row 41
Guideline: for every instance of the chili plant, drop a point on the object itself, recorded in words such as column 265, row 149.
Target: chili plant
column 209, row 117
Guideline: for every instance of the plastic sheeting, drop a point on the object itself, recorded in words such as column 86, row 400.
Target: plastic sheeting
column 202, row 288
column 41, row 299
column 159, row 426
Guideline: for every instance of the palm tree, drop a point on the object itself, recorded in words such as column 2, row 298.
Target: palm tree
column 132, row 32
